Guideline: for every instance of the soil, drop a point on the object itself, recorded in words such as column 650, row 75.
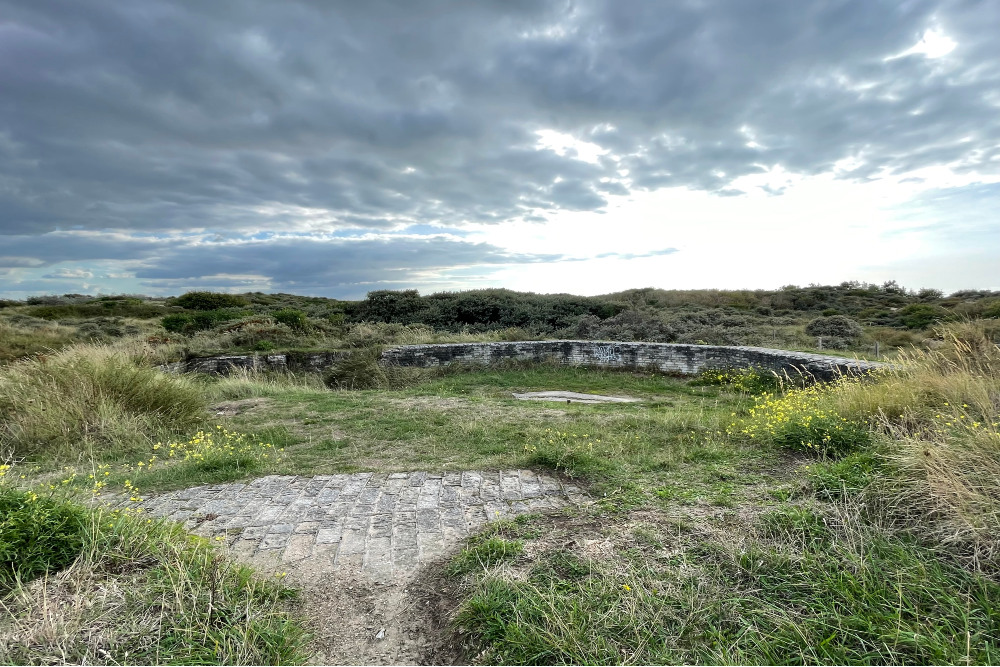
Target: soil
column 233, row 408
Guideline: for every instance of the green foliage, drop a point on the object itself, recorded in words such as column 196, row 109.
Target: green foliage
column 802, row 595
column 38, row 535
column 802, row 420
column 290, row 317
column 838, row 480
column 120, row 308
column 200, row 321
column 177, row 600
column 626, row 326
column 176, row 322
column 209, row 301
column 750, row 381
column 837, row 326
column 485, row 553
column 586, row 617
column 360, row 369
column 992, row 311
column 891, row 603
column 480, row 310
column 922, row 315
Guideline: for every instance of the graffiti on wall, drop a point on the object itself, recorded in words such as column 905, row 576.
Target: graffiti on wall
column 608, row 353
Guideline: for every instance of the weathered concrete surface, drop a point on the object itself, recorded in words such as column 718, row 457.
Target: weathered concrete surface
column 383, row 525
column 664, row 357
column 574, row 397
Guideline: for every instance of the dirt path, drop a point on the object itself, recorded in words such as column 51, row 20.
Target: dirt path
column 363, row 547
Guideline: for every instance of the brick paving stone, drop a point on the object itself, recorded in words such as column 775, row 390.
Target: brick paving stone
column 383, row 524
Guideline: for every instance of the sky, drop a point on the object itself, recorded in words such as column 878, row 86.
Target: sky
column 331, row 148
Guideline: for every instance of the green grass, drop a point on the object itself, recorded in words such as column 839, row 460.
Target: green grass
column 703, row 544
column 484, row 553
column 800, row 592
column 114, row 587
column 464, row 421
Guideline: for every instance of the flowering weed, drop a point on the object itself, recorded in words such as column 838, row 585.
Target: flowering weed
column 801, row 419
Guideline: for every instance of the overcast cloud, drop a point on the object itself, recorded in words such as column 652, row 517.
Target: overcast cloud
column 156, row 146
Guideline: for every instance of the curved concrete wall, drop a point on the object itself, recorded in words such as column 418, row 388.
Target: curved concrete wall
column 665, row 357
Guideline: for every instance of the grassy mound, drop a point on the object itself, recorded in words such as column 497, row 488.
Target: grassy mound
column 95, row 399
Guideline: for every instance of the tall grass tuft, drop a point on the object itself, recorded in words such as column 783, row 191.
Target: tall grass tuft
column 92, row 400
column 939, row 409
column 361, row 370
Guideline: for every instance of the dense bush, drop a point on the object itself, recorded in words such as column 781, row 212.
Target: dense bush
column 626, row 326
column 199, row 321
column 992, row 310
column 480, row 310
column 922, row 315
column 835, row 326
column 290, row 317
column 209, row 301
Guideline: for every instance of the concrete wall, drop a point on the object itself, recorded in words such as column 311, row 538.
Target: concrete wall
column 665, row 357
column 226, row 363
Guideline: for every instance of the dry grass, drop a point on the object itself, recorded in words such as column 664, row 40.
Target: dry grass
column 940, row 411
column 92, row 399
column 21, row 340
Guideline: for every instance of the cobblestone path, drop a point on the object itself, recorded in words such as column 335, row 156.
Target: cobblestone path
column 385, row 525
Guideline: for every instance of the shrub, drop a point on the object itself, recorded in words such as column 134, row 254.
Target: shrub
column 835, row 326
column 199, row 321
column 921, row 315
column 176, row 323
column 290, row 317
column 209, row 301
column 803, row 420
column 992, row 310
column 747, row 380
column 627, row 325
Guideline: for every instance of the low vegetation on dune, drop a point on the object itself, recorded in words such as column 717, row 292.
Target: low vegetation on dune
column 852, row 317
column 737, row 517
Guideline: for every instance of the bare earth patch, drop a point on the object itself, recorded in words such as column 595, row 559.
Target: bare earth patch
column 233, row 408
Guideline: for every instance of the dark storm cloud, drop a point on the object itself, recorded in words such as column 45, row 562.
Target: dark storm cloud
column 309, row 264
column 347, row 267
column 161, row 115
